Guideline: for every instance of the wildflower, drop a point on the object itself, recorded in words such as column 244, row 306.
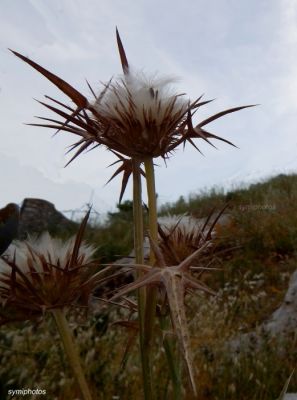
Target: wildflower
column 180, row 238
column 48, row 274
column 141, row 115
column 135, row 115
column 44, row 274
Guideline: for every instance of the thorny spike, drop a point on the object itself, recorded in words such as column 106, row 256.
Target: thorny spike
column 59, row 102
column 75, row 95
column 221, row 114
column 212, row 136
column 91, row 89
column 175, row 291
column 68, row 117
column 82, row 148
column 123, row 57
column 150, row 278
column 126, row 168
column 185, row 264
column 78, row 240
column 74, row 130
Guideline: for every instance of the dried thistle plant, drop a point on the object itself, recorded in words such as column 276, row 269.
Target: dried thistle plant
column 47, row 274
column 141, row 118
column 176, row 254
column 179, row 241
column 137, row 116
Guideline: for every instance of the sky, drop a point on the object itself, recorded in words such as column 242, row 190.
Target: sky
column 236, row 52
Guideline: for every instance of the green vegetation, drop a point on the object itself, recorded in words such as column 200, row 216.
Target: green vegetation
column 114, row 238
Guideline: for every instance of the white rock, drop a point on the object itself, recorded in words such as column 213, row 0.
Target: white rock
column 290, row 396
column 284, row 319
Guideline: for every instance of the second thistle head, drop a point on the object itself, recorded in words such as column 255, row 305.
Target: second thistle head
column 43, row 274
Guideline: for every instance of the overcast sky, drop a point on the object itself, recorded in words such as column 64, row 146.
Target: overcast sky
column 238, row 52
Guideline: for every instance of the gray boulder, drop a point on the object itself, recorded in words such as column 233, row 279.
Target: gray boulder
column 284, row 319
column 39, row 215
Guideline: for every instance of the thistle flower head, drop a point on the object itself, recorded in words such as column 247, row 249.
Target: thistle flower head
column 180, row 237
column 46, row 251
column 142, row 114
column 44, row 273
column 151, row 94
column 137, row 116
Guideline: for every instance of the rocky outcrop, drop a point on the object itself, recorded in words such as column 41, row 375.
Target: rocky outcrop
column 284, row 319
column 39, row 215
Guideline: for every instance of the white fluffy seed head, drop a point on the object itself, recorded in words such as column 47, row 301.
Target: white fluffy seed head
column 35, row 252
column 143, row 98
column 184, row 223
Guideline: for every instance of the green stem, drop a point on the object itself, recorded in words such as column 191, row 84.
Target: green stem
column 137, row 213
column 138, row 233
column 139, row 258
column 150, row 311
column 151, row 293
column 151, row 303
column 152, row 203
column 72, row 352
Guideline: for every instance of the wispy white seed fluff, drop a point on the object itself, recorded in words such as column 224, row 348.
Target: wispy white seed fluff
column 143, row 98
column 33, row 253
column 187, row 224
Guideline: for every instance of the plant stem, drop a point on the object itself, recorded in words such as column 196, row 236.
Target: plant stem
column 138, row 247
column 151, row 293
column 137, row 213
column 150, row 311
column 71, row 351
column 152, row 203
column 151, row 302
column 138, row 233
